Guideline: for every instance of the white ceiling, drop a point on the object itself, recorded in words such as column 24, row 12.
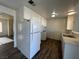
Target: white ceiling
column 44, row 7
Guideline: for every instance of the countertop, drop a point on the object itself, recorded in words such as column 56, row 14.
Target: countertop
column 71, row 40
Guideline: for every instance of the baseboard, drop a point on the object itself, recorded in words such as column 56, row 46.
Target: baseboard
column 52, row 39
column 4, row 36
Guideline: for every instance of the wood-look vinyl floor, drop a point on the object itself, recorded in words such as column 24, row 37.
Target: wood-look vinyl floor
column 50, row 49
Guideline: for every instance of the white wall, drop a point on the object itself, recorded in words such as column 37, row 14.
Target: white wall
column 76, row 19
column 55, row 27
column 19, row 17
column 7, row 26
column 10, row 26
column 76, row 23
column 4, row 27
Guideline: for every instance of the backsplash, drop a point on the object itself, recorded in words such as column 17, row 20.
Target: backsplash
column 68, row 32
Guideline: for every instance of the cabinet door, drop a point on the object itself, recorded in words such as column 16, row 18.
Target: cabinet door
column 44, row 22
column 27, row 13
column 34, row 44
column 43, row 35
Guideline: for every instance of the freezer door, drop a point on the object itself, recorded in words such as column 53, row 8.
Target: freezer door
column 35, row 24
column 26, row 27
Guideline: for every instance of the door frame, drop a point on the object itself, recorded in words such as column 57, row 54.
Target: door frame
column 11, row 12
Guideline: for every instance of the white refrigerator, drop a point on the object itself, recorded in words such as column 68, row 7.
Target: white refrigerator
column 29, row 37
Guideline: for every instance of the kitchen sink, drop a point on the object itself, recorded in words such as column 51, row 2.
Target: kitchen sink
column 71, row 36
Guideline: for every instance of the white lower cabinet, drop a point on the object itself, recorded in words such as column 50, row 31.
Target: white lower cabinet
column 71, row 51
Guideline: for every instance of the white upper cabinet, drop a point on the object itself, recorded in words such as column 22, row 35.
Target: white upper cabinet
column 35, row 18
column 27, row 13
column 44, row 22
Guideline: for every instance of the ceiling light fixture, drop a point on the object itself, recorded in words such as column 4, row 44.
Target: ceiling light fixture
column 54, row 14
column 71, row 12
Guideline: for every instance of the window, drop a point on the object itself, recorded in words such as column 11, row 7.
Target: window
column 0, row 26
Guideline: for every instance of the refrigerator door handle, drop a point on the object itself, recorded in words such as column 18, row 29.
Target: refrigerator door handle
column 32, row 31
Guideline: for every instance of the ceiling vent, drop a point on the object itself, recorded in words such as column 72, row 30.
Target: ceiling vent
column 31, row 2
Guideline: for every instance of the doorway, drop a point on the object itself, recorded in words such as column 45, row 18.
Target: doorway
column 12, row 14
column 6, row 29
